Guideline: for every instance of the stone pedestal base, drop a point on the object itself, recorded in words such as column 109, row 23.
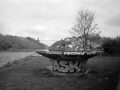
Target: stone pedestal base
column 68, row 66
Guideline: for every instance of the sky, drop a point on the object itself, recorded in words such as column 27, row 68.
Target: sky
column 51, row 20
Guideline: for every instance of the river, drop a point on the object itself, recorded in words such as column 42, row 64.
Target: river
column 11, row 56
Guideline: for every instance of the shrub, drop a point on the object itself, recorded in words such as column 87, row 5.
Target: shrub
column 112, row 46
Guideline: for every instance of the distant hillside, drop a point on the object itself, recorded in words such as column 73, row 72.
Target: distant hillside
column 74, row 44
column 58, row 45
column 9, row 42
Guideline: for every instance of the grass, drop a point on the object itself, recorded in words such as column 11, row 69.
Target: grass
column 20, row 50
column 30, row 73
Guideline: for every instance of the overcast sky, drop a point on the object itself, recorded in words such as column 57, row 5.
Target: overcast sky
column 52, row 19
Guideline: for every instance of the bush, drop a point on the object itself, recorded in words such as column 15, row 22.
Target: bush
column 112, row 46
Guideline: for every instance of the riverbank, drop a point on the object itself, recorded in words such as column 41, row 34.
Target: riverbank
column 30, row 73
column 20, row 50
column 6, row 57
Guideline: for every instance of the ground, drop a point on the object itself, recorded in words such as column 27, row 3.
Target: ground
column 30, row 73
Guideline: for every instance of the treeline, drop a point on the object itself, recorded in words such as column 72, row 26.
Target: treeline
column 111, row 46
column 9, row 42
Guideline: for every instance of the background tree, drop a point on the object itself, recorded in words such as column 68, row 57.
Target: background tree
column 84, row 28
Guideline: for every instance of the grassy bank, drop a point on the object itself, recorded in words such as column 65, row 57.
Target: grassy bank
column 30, row 74
column 20, row 50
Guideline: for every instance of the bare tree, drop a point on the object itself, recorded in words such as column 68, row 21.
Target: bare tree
column 84, row 27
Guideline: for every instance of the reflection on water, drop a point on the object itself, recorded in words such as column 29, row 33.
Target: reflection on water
column 11, row 56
